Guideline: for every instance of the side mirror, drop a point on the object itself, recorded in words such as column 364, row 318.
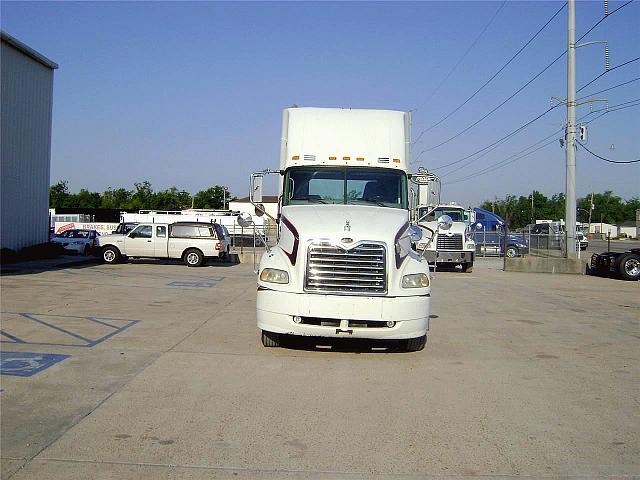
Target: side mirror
column 256, row 188
column 445, row 222
column 259, row 210
column 245, row 220
column 415, row 233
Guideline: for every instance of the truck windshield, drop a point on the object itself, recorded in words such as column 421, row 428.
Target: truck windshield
column 456, row 214
column 345, row 185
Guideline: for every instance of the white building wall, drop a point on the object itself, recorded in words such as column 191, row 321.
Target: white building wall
column 27, row 94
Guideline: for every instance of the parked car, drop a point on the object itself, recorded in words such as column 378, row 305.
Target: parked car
column 623, row 265
column 192, row 242
column 79, row 241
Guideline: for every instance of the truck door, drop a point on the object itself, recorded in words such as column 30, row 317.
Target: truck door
column 160, row 241
column 139, row 242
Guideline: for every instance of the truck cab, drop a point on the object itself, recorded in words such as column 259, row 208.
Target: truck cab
column 454, row 246
column 343, row 266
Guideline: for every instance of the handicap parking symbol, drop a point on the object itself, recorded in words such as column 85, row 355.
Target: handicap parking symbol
column 26, row 364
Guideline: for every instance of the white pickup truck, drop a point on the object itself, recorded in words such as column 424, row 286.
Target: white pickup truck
column 190, row 241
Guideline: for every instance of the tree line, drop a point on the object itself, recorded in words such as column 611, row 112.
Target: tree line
column 142, row 197
column 520, row 211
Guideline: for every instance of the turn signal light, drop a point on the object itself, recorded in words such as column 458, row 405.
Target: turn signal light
column 396, row 160
column 295, row 157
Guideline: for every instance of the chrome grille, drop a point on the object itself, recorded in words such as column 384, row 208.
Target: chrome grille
column 332, row 269
column 449, row 242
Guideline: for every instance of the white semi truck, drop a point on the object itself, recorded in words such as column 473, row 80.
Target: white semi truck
column 343, row 265
column 443, row 247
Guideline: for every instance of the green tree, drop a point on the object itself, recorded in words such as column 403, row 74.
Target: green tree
column 119, row 198
column 212, row 197
column 142, row 198
column 59, row 194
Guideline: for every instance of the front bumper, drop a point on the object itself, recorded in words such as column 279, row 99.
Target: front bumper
column 443, row 256
column 276, row 310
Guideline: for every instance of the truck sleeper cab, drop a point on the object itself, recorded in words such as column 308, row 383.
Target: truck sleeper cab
column 190, row 241
column 343, row 264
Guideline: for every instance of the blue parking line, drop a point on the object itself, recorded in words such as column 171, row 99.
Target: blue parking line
column 94, row 319
column 8, row 335
column 86, row 342
column 115, row 332
column 75, row 335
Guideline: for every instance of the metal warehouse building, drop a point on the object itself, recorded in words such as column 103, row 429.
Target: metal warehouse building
column 26, row 82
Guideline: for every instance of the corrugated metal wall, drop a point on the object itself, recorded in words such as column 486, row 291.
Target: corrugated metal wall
column 27, row 94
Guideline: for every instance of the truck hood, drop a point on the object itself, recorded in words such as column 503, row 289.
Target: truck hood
column 335, row 222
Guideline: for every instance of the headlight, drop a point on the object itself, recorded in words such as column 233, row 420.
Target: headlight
column 273, row 275
column 415, row 280
column 470, row 246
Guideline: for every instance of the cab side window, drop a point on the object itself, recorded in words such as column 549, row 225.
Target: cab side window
column 143, row 231
column 161, row 232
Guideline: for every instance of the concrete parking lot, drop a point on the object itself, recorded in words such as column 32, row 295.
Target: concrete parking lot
column 155, row 370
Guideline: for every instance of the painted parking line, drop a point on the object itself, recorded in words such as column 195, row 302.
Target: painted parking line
column 107, row 328
column 212, row 282
column 26, row 364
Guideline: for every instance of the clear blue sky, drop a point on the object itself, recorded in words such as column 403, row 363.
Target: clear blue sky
column 190, row 94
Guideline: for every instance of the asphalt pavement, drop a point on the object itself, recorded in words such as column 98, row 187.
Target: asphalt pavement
column 154, row 370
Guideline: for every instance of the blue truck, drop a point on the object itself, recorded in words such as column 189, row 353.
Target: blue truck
column 489, row 234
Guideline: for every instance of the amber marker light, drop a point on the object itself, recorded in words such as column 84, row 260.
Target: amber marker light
column 295, row 157
column 360, row 159
column 396, row 160
column 333, row 158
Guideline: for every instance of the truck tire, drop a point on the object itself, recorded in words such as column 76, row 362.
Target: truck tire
column 415, row 344
column 512, row 251
column 467, row 267
column 629, row 266
column 110, row 255
column 270, row 339
column 193, row 258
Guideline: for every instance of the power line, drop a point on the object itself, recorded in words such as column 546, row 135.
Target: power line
column 493, row 76
column 508, row 160
column 610, row 88
column 464, row 55
column 606, row 159
column 523, row 87
column 607, row 71
column 519, row 129
column 498, row 165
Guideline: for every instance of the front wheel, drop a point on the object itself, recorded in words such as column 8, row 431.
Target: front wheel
column 193, row 258
column 111, row 255
column 629, row 266
column 511, row 251
column 415, row 344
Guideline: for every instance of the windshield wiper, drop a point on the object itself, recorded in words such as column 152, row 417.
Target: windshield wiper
column 380, row 203
column 312, row 198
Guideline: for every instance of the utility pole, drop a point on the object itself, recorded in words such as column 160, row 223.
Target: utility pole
column 532, row 215
column 570, row 140
column 590, row 212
